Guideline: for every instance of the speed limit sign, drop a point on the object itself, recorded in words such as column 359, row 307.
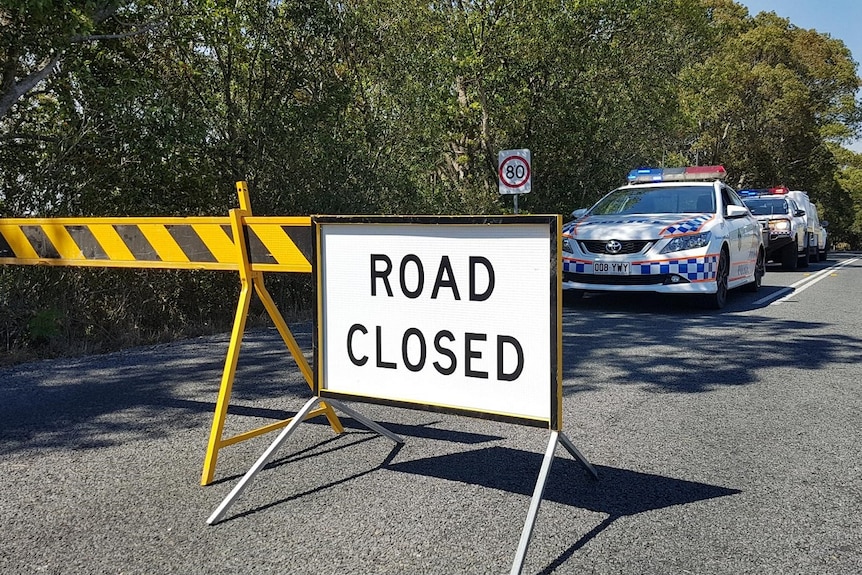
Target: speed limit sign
column 514, row 171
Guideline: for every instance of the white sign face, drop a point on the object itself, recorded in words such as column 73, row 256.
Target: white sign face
column 441, row 316
column 514, row 171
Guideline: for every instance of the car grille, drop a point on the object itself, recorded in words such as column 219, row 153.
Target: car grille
column 640, row 280
column 628, row 247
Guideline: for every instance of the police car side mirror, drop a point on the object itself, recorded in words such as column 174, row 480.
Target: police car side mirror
column 578, row 213
column 799, row 213
column 824, row 223
column 737, row 211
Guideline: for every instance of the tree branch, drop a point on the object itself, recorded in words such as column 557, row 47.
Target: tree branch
column 18, row 89
column 14, row 91
column 149, row 26
column 31, row 137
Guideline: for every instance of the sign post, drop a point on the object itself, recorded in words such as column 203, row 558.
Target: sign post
column 515, row 174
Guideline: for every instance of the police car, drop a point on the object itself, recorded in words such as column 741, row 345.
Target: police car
column 809, row 233
column 669, row 230
column 786, row 223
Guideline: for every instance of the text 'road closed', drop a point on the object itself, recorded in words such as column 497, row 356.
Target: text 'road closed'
column 454, row 313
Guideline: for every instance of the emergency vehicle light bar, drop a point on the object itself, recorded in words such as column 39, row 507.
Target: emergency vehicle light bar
column 686, row 174
column 776, row 191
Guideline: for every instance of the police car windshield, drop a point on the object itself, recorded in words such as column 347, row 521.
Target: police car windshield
column 658, row 200
column 767, row 207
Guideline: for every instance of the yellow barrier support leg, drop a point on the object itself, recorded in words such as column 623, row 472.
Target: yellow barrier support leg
column 281, row 325
column 251, row 279
column 245, row 276
column 295, row 351
column 217, row 430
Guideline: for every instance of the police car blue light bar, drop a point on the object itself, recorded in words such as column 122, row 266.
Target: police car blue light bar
column 640, row 175
column 690, row 173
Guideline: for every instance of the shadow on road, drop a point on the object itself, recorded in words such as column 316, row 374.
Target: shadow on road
column 636, row 339
column 618, row 493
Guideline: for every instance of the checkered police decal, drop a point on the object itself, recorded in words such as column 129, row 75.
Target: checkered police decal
column 693, row 269
column 686, row 226
column 577, row 267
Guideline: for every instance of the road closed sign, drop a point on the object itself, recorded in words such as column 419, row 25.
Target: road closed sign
column 514, row 171
column 456, row 314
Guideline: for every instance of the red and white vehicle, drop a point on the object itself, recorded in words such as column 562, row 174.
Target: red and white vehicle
column 670, row 230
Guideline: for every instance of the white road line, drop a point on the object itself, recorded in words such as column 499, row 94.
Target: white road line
column 809, row 281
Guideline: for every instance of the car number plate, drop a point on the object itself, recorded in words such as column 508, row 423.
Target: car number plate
column 611, row 268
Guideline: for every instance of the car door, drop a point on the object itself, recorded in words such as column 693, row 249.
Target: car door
column 798, row 224
column 744, row 237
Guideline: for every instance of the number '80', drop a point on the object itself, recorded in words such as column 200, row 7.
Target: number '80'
column 515, row 171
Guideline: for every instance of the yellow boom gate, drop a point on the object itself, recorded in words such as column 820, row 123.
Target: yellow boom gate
column 239, row 242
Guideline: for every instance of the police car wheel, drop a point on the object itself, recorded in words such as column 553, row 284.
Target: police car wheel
column 718, row 299
column 789, row 257
column 804, row 258
column 759, row 272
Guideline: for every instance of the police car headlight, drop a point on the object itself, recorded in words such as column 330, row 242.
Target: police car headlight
column 567, row 246
column 691, row 242
column 782, row 225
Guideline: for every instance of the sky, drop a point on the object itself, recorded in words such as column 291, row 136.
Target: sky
column 839, row 18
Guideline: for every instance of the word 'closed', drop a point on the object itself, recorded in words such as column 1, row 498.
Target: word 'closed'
column 414, row 352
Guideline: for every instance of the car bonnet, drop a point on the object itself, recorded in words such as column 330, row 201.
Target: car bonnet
column 636, row 227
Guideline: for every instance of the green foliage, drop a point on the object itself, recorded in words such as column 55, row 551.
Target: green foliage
column 770, row 102
column 845, row 224
column 44, row 325
column 120, row 108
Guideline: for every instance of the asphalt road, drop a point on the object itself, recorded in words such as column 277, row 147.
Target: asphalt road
column 726, row 443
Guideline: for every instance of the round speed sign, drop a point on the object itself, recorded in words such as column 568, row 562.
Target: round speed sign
column 514, row 171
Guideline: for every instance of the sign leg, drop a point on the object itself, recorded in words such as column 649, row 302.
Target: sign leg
column 570, row 447
column 262, row 461
column 373, row 425
column 282, row 437
column 534, row 504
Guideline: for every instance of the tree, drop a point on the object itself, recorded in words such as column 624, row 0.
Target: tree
column 845, row 224
column 452, row 83
column 772, row 102
column 768, row 99
column 38, row 36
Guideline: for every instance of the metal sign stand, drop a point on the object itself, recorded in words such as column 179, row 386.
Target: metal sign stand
column 527, row 532
column 554, row 421
column 301, row 415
